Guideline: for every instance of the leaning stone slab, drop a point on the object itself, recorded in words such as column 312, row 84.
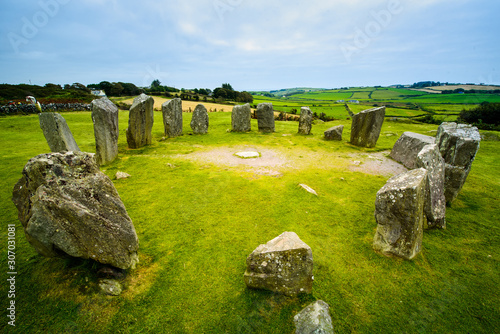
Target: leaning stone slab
column 105, row 119
column 399, row 212
column 314, row 319
column 56, row 132
column 140, row 122
column 172, row 117
column 334, row 133
column 283, row 265
column 199, row 122
column 305, row 121
column 265, row 117
column 68, row 207
column 435, row 206
column 458, row 144
column 408, row 146
column 366, row 126
column 241, row 118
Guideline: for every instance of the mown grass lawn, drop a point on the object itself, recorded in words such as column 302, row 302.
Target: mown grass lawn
column 197, row 221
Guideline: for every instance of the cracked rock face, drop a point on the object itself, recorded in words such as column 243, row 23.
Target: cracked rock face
column 172, row 117
column 283, row 265
column 305, row 121
column 140, row 122
column 105, row 119
column 408, row 146
column 200, row 121
column 241, row 118
column 68, row 207
column 366, row 126
column 56, row 132
column 314, row 319
column 265, row 117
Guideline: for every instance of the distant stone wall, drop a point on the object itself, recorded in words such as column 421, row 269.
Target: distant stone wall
column 14, row 109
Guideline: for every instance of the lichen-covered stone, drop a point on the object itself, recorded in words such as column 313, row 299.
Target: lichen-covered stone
column 407, row 147
column 57, row 133
column 314, row 319
column 305, row 121
column 68, row 207
column 366, row 126
column 334, row 133
column 172, row 117
column 265, row 117
column 110, row 287
column 241, row 118
column 140, row 122
column 199, row 122
column 283, row 265
column 399, row 212
column 105, row 119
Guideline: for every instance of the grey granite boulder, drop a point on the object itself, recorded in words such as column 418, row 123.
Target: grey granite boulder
column 68, row 207
column 314, row 319
column 105, row 119
column 172, row 117
column 435, row 206
column 241, row 118
column 458, row 144
column 199, row 122
column 399, row 212
column 56, row 132
column 140, row 122
column 366, row 126
column 408, row 146
column 305, row 121
column 283, row 265
column 265, row 117
column 334, row 133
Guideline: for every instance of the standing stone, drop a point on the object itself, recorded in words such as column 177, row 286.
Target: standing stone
column 458, row 144
column 283, row 265
column 314, row 319
column 68, row 207
column 265, row 117
column 240, row 118
column 140, row 121
column 172, row 117
column 199, row 122
column 399, row 212
column 305, row 121
column 408, row 146
column 105, row 119
column 334, row 133
column 57, row 133
column 435, row 206
column 366, row 126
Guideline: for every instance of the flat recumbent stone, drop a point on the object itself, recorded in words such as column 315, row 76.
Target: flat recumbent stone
column 248, row 155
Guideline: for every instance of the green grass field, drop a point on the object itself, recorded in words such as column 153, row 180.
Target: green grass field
column 197, row 221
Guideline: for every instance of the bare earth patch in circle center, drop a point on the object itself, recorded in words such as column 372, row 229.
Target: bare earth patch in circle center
column 248, row 155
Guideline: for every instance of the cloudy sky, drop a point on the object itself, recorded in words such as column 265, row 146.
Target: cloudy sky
column 251, row 44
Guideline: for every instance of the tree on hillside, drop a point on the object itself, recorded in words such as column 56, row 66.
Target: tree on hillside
column 155, row 84
column 227, row 86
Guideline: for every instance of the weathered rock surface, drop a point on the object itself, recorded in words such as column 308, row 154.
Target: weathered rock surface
column 105, row 119
column 121, row 175
column 334, row 133
column 240, row 118
column 408, row 146
column 458, row 144
column 140, row 122
column 399, row 212
column 110, row 286
column 172, row 117
column 283, row 265
column 265, row 117
column 305, row 121
column 199, row 122
column 435, row 206
column 56, row 132
column 366, row 126
column 68, row 207
column 314, row 319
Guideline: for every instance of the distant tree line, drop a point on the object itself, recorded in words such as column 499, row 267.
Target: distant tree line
column 117, row 88
column 471, row 91
column 75, row 92
column 423, row 84
column 226, row 92
column 486, row 116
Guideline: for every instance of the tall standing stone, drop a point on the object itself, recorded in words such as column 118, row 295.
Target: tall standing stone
column 283, row 265
column 241, row 118
column 265, row 117
column 366, row 126
column 458, row 144
column 199, row 122
column 305, row 121
column 399, row 212
column 57, row 133
column 140, row 121
column 407, row 147
column 172, row 117
column 105, row 119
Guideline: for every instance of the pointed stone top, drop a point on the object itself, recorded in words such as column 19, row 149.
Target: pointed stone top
column 285, row 241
